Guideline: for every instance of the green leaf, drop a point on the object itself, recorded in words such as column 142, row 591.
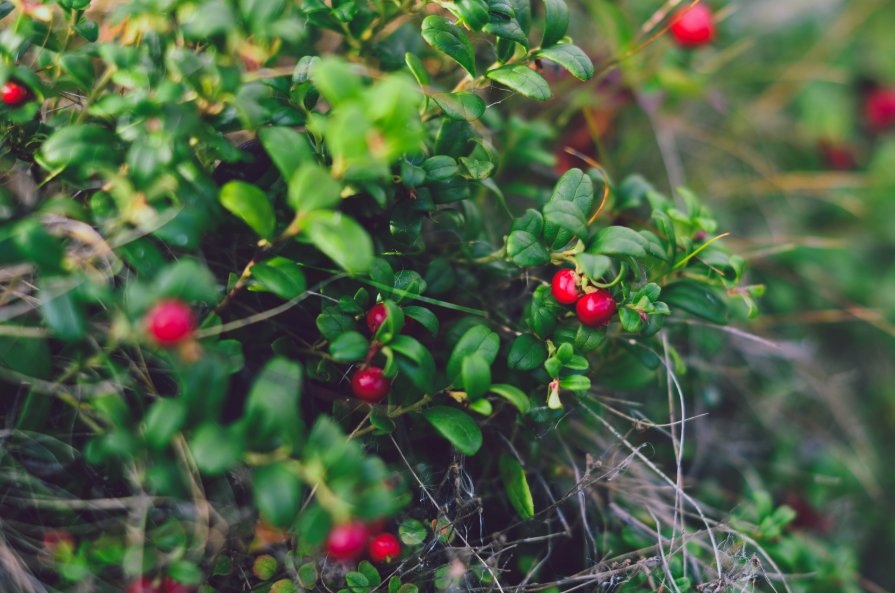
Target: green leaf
column 163, row 420
column 572, row 58
column 514, row 395
column 503, row 23
column 473, row 12
column 527, row 353
column 556, row 21
column 618, row 240
column 562, row 221
column 341, row 239
column 216, row 448
column 477, row 341
column 85, row 148
column 575, row 383
column 312, row 188
column 188, row 280
column 475, row 374
column 279, row 275
column 277, row 493
column 412, row 532
column 272, row 406
column 593, row 266
column 577, row 187
column 521, row 79
column 457, row 427
column 349, row 347
column 516, row 487
column 424, row 317
column 287, row 148
column 476, row 169
column 449, row 39
column 392, row 324
column 461, row 106
column 696, row 299
column 357, row 582
column 251, row 205
column 415, row 361
column 440, row 168
column 369, row 571
column 526, row 250
column 417, row 68
column 62, row 310
column 336, row 80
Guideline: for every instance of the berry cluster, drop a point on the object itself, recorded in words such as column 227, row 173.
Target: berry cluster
column 594, row 308
column 348, row 541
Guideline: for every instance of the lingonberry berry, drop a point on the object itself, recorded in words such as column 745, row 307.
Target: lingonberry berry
column 143, row 585
column 346, row 542
column 14, row 94
column 595, row 309
column 169, row 585
column 370, row 385
column 837, row 156
column 693, row 26
column 565, row 287
column 376, row 317
column 170, row 322
column 879, row 109
column 384, row 548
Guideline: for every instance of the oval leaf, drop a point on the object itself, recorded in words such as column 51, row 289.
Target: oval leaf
column 251, row 205
column 457, row 427
column 521, row 79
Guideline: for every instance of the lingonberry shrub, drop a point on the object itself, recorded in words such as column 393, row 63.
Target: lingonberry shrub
column 245, row 179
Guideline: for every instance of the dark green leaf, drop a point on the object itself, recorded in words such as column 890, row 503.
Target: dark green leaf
column 479, row 341
column 349, row 347
column 457, row 427
column 62, row 310
column 281, row 276
column 415, row 361
column 696, row 299
column 163, row 420
column 556, row 21
column 277, row 493
column 475, row 375
column 516, row 486
column 577, row 187
column 514, row 395
column 449, row 39
column 272, row 407
column 521, row 79
column 563, row 221
column 618, row 240
column 412, row 532
column 526, row 250
column 570, row 57
column 216, row 448
column 527, row 353
column 473, row 12
column 424, row 317
column 462, row 106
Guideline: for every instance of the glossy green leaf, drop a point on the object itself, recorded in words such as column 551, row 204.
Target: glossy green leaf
column 527, row 353
column 449, row 39
column 618, row 240
column 475, row 375
column 696, row 299
column 457, row 427
column 415, row 361
column 556, row 21
column 462, row 106
column 424, row 317
column 349, row 347
column 526, row 250
column 521, row 79
column 250, row 204
column 279, row 275
column 287, row 148
column 514, row 395
column 570, row 57
column 477, row 341
column 341, row 239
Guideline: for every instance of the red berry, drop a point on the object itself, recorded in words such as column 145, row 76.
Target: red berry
column 143, row 585
column 565, row 287
column 595, row 309
column 376, row 317
column 693, row 27
column 170, row 322
column 839, row 157
column 370, row 385
column 169, row 585
column 346, row 542
column 384, row 548
column 14, row 94
column 879, row 109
